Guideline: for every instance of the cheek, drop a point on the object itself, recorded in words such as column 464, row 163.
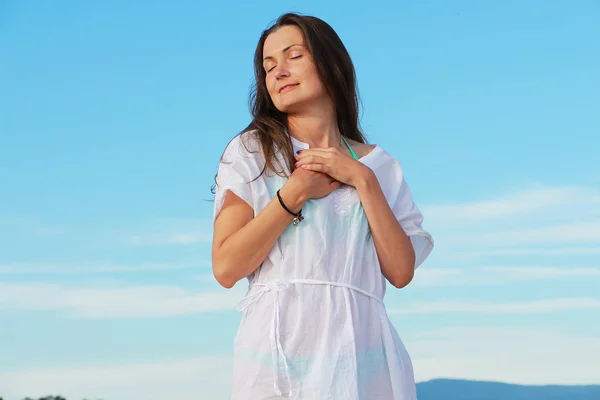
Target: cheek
column 312, row 77
column 270, row 84
column 316, row 86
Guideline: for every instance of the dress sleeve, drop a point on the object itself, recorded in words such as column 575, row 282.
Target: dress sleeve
column 409, row 215
column 239, row 171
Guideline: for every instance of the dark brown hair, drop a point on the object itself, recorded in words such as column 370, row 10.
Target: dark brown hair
column 335, row 69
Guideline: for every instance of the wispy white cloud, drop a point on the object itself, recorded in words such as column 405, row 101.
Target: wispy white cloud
column 11, row 225
column 542, row 220
column 559, row 234
column 94, row 267
column 498, row 275
column 540, row 200
column 522, row 273
column 445, row 306
column 169, row 232
column 141, row 301
column 201, row 378
column 527, row 251
column 157, row 232
column 177, row 238
column 526, row 355
column 208, row 278
column 508, row 354
column 152, row 301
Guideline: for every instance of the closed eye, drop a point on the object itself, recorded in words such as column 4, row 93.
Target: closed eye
column 293, row 58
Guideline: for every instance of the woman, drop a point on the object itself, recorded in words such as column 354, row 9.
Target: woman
column 316, row 220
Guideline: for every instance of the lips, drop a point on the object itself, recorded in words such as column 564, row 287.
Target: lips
column 284, row 87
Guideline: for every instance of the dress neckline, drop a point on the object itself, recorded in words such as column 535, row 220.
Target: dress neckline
column 303, row 146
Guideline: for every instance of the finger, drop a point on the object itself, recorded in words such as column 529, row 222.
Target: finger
column 311, row 159
column 317, row 168
column 314, row 151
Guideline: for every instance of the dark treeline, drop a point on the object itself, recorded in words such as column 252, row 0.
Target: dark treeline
column 47, row 398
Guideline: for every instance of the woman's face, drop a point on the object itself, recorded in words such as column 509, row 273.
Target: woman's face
column 291, row 77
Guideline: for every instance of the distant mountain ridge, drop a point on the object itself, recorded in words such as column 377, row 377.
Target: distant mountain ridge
column 456, row 389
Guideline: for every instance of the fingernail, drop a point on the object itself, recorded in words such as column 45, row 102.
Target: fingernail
column 298, row 163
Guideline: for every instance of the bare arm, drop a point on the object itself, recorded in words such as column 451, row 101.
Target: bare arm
column 394, row 248
column 241, row 241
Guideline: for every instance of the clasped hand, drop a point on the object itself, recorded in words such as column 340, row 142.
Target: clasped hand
column 333, row 162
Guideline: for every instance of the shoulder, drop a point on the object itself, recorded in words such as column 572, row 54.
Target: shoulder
column 245, row 145
column 378, row 158
column 386, row 166
column 361, row 149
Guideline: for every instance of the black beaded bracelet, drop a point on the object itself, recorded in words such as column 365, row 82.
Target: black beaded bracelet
column 298, row 217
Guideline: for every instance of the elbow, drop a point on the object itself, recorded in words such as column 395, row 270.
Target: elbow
column 222, row 273
column 402, row 272
column 401, row 281
column 222, row 270
column 229, row 270
column 403, row 278
column 223, row 277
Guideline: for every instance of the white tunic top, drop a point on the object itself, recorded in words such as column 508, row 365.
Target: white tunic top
column 314, row 325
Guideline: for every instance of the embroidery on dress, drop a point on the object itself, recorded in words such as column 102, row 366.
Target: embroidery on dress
column 343, row 199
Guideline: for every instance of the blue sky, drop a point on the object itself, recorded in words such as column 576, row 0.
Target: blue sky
column 112, row 120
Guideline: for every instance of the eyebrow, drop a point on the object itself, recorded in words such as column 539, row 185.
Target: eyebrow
column 283, row 51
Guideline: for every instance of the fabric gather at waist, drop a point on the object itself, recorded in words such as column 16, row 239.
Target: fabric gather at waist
column 279, row 285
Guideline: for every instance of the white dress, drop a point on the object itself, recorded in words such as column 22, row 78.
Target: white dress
column 314, row 325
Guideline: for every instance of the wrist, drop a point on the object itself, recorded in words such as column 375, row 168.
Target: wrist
column 365, row 180
column 293, row 196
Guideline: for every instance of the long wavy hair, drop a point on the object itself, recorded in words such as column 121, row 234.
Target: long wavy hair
column 335, row 69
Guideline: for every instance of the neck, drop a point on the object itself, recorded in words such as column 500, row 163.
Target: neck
column 318, row 129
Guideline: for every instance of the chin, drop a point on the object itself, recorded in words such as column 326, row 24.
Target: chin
column 286, row 108
column 293, row 106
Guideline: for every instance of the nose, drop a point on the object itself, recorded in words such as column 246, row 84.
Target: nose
column 281, row 71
